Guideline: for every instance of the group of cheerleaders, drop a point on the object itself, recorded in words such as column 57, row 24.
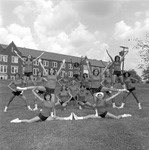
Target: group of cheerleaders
column 74, row 91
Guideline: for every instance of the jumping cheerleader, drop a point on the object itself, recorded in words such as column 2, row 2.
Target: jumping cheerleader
column 100, row 108
column 117, row 68
column 28, row 69
column 131, row 88
column 17, row 82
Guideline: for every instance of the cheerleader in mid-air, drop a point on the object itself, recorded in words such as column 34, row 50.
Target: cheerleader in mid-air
column 17, row 82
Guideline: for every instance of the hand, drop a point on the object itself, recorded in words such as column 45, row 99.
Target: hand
column 39, row 60
column 63, row 61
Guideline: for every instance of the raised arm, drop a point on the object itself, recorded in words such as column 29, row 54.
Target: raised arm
column 19, row 56
column 88, row 67
column 38, row 56
column 109, row 56
column 108, row 64
column 122, row 58
column 63, row 62
column 113, row 96
column 41, row 99
column 43, row 67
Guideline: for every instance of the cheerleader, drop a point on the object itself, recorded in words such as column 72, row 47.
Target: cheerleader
column 40, row 81
column 96, row 85
column 17, row 82
column 28, row 69
column 83, row 97
column 64, row 80
column 63, row 97
column 100, row 108
column 116, row 62
column 131, row 88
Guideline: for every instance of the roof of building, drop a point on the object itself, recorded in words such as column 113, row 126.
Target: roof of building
column 55, row 56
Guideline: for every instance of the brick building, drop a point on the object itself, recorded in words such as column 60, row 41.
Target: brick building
column 10, row 63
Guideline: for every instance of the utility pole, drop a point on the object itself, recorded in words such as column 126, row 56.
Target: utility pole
column 121, row 53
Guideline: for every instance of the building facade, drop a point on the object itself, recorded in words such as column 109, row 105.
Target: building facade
column 11, row 64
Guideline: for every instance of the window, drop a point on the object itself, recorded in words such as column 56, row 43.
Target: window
column 62, row 73
column 14, row 69
column 70, row 73
column 35, row 70
column 3, row 68
column 4, row 58
column 45, row 63
column 14, row 59
column 12, row 77
column 70, row 66
column 36, row 63
column 47, row 70
column 54, row 64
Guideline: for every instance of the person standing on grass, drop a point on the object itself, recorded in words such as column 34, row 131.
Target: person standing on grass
column 63, row 97
column 107, row 81
column 131, row 88
column 17, row 82
column 40, row 81
column 96, row 85
column 100, row 108
column 28, row 69
column 116, row 62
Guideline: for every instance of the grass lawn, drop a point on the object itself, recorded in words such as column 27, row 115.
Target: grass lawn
column 93, row 134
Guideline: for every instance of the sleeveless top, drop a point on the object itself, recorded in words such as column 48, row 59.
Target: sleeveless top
column 28, row 66
column 95, row 81
column 117, row 66
column 51, row 81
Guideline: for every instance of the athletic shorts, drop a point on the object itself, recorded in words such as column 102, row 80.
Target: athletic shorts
column 43, row 118
column 17, row 93
column 28, row 74
column 103, row 114
column 49, row 90
column 40, row 92
column 96, row 90
column 117, row 73
column 132, row 89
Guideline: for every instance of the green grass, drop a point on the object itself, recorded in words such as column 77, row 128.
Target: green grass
column 92, row 134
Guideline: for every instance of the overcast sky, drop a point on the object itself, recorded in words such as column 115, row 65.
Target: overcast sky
column 76, row 27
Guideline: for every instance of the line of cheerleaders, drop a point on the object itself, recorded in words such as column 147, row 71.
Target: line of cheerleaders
column 76, row 90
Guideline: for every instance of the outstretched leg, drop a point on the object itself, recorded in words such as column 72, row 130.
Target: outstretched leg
column 11, row 99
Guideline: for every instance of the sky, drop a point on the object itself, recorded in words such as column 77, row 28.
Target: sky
column 76, row 27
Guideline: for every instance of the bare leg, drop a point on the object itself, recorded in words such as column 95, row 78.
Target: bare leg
column 109, row 115
column 11, row 99
column 35, row 119
column 25, row 100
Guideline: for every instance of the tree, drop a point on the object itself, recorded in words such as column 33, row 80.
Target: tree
column 135, row 75
column 143, row 46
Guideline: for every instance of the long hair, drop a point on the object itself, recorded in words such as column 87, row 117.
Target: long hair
column 45, row 94
column 95, row 70
column 115, row 59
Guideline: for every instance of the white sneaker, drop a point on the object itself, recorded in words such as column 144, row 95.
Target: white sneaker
column 5, row 109
column 126, row 115
column 35, row 109
column 139, row 105
column 15, row 121
column 29, row 108
column 120, row 107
